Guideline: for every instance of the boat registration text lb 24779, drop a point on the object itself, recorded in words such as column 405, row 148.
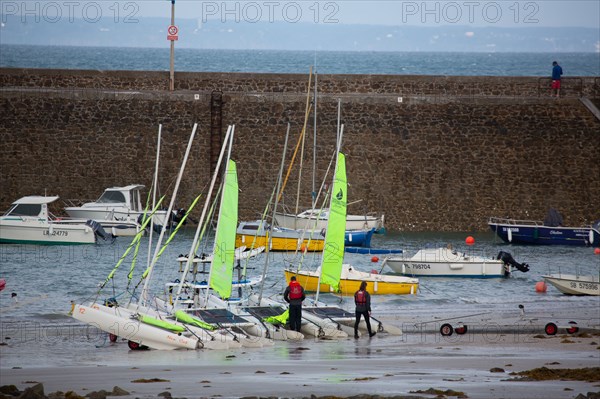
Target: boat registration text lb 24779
column 59, row 233
column 421, row 266
column 585, row 286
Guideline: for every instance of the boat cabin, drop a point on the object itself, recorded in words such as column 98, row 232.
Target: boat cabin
column 128, row 196
column 31, row 206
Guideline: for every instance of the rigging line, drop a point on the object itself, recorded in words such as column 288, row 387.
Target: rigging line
column 301, row 137
column 137, row 237
column 270, row 238
column 201, row 239
column 164, row 247
column 202, row 216
column 137, row 246
column 153, row 191
column 306, row 114
column 170, row 208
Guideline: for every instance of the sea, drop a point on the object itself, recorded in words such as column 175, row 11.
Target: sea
column 299, row 62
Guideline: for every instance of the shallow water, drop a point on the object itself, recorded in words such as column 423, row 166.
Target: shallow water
column 46, row 279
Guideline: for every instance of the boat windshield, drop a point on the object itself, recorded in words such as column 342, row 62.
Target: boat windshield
column 111, row 197
column 25, row 210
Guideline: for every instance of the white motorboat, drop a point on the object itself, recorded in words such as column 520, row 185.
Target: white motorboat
column 316, row 219
column 28, row 221
column 118, row 228
column 448, row 262
column 574, row 284
column 116, row 203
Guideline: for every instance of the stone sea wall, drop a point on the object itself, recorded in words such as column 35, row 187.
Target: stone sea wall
column 433, row 153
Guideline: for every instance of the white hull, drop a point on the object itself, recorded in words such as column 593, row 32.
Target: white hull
column 312, row 326
column 257, row 327
column 443, row 262
column 572, row 284
column 208, row 339
column 116, row 214
column 240, row 338
column 300, row 222
column 39, row 231
column 118, row 321
column 115, row 227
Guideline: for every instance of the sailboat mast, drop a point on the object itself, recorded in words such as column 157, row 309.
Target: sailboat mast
column 262, row 282
column 314, row 168
column 154, row 185
column 191, row 254
column 217, row 233
column 325, row 249
column 144, row 296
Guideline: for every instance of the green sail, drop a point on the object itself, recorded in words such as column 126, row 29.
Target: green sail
column 333, row 252
column 224, row 250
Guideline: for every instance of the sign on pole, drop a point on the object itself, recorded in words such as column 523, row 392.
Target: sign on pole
column 172, row 32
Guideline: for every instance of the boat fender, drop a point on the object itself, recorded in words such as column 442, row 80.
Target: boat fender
column 323, row 232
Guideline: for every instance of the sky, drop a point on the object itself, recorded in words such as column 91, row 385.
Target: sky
column 501, row 13
column 478, row 13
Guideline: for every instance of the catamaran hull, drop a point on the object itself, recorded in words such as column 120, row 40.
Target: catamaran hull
column 313, row 326
column 208, row 340
column 18, row 231
column 111, row 321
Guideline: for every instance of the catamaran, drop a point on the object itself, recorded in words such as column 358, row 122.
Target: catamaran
column 330, row 271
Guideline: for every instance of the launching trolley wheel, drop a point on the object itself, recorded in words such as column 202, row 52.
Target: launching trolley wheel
column 461, row 330
column 134, row 346
column 112, row 337
column 446, row 330
column 551, row 329
column 573, row 329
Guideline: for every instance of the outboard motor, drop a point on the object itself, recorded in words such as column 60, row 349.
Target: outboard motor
column 98, row 229
column 178, row 216
column 509, row 260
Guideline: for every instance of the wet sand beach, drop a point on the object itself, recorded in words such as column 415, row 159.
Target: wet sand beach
column 477, row 364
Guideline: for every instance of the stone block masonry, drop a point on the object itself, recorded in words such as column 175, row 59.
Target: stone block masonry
column 433, row 153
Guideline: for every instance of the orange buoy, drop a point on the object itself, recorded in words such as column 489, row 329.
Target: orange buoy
column 540, row 286
column 596, row 251
column 470, row 240
column 374, row 259
column 303, row 248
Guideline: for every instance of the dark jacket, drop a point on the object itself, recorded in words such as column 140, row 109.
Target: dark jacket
column 366, row 307
column 556, row 72
column 286, row 295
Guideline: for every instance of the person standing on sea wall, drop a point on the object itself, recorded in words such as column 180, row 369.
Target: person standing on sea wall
column 556, row 74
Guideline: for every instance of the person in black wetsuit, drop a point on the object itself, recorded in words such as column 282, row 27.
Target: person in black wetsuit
column 362, row 300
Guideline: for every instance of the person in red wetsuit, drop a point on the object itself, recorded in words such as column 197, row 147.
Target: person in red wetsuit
column 362, row 300
column 294, row 295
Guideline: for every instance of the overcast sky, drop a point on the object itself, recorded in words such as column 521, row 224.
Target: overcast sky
column 546, row 13
column 478, row 13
